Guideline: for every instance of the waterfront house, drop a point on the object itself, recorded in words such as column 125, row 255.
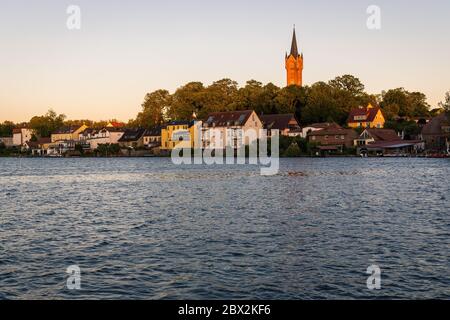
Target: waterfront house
column 107, row 135
column 229, row 128
column 317, row 127
column 132, row 138
column 333, row 138
column 386, row 142
column 436, row 134
column 21, row 135
column 287, row 124
column 39, row 147
column 366, row 117
column 376, row 135
column 152, row 138
column 179, row 134
column 68, row 133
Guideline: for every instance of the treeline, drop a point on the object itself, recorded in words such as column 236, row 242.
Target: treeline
column 320, row 102
column 50, row 122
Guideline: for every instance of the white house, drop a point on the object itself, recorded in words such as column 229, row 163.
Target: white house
column 21, row 136
column 108, row 135
column 233, row 128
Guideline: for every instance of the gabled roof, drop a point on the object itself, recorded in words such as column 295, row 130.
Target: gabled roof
column 132, row 135
column 369, row 113
column 67, row 130
column 277, row 121
column 153, row 132
column 231, row 118
column 383, row 134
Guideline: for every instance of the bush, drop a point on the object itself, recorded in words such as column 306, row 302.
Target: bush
column 293, row 151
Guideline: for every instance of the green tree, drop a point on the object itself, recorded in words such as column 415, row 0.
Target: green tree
column 404, row 103
column 419, row 104
column 154, row 109
column 293, row 150
column 222, row 95
column 349, row 84
column 6, row 128
column 322, row 105
column 187, row 100
column 48, row 123
column 291, row 99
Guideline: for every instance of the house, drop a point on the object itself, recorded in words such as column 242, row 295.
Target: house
column 107, row 135
column 366, row 117
column 21, row 135
column 376, row 135
column 39, row 147
column 287, row 124
column 181, row 134
column 132, row 138
column 436, row 134
column 60, row 147
column 7, row 141
column 317, row 127
column 68, row 133
column 386, row 142
column 233, row 128
column 152, row 137
column 333, row 138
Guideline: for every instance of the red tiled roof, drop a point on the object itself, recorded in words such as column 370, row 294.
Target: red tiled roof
column 369, row 113
column 383, row 134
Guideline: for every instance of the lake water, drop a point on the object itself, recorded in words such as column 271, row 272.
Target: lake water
column 143, row 228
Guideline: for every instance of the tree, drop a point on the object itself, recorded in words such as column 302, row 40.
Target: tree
column 399, row 102
column 6, row 129
column 154, row 109
column 46, row 124
column 322, row 105
column 446, row 103
column 348, row 83
column 291, row 99
column 222, row 95
column 419, row 104
column 187, row 100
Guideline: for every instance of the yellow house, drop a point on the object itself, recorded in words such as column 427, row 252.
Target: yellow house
column 69, row 133
column 179, row 134
column 366, row 117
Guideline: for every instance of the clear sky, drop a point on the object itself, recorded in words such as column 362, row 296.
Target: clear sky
column 128, row 48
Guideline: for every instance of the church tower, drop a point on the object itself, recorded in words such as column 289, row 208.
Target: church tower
column 294, row 64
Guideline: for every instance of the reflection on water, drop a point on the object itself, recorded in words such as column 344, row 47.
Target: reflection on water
column 146, row 229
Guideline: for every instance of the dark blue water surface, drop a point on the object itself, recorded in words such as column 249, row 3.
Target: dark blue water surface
column 147, row 229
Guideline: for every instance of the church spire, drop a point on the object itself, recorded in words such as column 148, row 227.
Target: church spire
column 294, row 48
column 294, row 64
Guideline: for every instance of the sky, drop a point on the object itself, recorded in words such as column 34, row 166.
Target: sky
column 125, row 49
